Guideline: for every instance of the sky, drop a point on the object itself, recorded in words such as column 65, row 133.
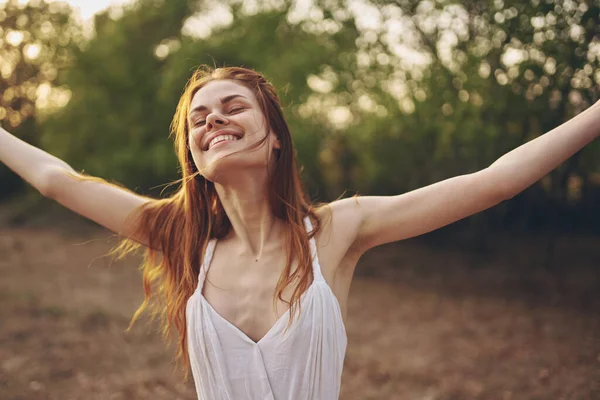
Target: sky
column 201, row 25
column 87, row 8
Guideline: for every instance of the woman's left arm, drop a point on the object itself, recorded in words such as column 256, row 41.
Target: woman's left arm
column 530, row 162
column 375, row 220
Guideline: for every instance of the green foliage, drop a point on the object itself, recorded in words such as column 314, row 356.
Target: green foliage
column 472, row 103
column 115, row 124
column 36, row 41
column 285, row 53
column 364, row 117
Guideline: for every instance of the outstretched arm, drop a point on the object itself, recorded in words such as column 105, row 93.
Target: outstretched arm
column 27, row 161
column 105, row 203
column 373, row 220
column 530, row 162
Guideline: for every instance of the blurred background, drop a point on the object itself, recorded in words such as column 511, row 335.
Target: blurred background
column 382, row 97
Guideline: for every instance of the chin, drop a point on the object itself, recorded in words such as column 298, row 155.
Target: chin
column 221, row 167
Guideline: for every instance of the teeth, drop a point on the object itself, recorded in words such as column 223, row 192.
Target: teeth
column 221, row 138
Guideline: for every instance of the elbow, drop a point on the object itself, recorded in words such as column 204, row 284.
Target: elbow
column 508, row 194
column 52, row 179
column 504, row 193
column 46, row 183
column 498, row 195
column 509, row 188
column 500, row 185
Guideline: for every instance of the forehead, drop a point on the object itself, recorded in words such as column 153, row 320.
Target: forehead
column 212, row 93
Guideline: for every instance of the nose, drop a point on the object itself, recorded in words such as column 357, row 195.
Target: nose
column 214, row 120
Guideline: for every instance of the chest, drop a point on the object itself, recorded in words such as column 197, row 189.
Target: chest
column 241, row 290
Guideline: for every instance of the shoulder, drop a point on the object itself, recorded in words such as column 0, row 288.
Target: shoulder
column 341, row 218
column 336, row 245
column 340, row 225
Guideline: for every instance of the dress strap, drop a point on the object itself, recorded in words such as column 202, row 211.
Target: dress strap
column 317, row 275
column 208, row 255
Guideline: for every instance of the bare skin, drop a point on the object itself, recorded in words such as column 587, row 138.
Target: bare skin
column 247, row 263
column 253, row 251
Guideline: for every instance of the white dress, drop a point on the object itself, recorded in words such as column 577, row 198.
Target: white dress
column 304, row 363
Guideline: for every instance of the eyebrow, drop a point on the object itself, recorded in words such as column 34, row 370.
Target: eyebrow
column 224, row 100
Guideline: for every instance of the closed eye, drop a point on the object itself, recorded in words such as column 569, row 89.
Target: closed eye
column 202, row 122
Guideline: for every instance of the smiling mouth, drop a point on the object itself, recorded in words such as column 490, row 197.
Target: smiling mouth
column 221, row 139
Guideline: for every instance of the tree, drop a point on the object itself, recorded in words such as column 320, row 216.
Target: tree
column 36, row 43
column 116, row 125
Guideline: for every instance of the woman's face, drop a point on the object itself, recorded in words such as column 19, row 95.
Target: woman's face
column 225, row 118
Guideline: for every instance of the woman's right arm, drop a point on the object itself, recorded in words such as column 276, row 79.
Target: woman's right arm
column 109, row 205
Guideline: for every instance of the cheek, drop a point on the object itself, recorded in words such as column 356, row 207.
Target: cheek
column 196, row 153
column 193, row 140
column 196, row 160
column 254, row 123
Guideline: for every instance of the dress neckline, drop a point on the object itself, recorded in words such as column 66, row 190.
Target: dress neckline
column 271, row 330
column 317, row 278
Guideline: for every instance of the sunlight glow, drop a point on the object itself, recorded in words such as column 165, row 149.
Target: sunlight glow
column 87, row 8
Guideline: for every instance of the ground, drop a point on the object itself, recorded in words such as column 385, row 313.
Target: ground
column 424, row 322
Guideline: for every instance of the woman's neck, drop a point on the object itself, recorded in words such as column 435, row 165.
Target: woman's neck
column 246, row 203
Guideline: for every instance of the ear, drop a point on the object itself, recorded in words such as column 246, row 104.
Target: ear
column 276, row 142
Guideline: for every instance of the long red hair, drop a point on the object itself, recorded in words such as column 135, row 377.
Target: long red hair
column 178, row 228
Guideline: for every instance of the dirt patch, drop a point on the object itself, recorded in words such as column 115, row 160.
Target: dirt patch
column 422, row 324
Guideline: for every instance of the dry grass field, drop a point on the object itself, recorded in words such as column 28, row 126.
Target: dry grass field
column 424, row 323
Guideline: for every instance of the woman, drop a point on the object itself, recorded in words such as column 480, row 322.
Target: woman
column 253, row 277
